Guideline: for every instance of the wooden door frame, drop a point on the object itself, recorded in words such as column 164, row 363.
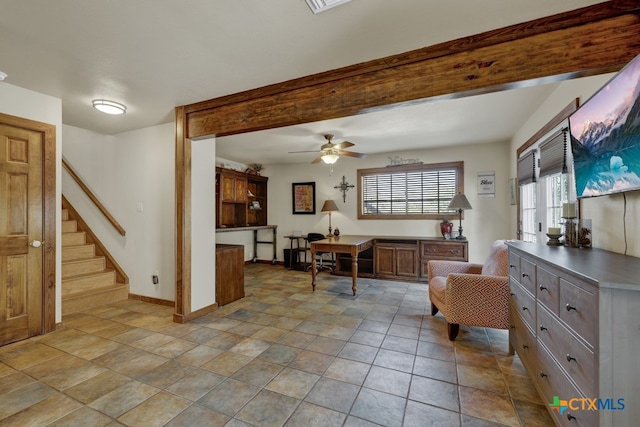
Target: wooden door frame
column 588, row 41
column 48, row 133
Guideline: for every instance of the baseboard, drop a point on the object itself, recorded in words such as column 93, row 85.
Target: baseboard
column 152, row 300
column 185, row 318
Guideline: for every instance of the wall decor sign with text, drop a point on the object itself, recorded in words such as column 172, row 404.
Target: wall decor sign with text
column 487, row 184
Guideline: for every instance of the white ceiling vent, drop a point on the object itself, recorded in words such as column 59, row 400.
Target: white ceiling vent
column 318, row 6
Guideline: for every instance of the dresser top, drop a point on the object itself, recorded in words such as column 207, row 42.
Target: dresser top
column 601, row 268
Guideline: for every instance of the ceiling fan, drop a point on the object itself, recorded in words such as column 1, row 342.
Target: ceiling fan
column 330, row 152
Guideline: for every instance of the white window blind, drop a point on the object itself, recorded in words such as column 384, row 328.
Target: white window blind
column 553, row 155
column 527, row 168
column 416, row 191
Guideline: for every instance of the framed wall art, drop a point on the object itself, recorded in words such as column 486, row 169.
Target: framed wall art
column 304, row 198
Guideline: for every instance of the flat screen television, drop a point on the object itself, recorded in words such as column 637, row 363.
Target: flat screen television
column 605, row 136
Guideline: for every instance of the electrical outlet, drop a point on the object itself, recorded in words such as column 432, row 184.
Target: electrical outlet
column 155, row 279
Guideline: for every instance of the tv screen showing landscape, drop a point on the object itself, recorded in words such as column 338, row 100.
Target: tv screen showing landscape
column 605, row 137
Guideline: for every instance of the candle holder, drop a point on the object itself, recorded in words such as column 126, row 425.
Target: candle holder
column 554, row 239
column 570, row 232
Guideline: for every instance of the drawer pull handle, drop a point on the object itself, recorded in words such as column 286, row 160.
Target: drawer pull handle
column 569, row 358
column 511, row 293
column 542, row 328
column 570, row 417
column 512, row 266
column 570, row 307
column 524, row 307
column 525, row 347
column 542, row 374
column 543, row 288
column 525, row 275
column 513, row 326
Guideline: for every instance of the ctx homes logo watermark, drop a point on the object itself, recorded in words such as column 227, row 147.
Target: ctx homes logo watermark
column 586, row 404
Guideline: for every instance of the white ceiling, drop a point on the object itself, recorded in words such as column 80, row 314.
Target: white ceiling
column 153, row 55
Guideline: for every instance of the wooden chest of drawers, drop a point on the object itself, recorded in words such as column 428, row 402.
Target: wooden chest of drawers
column 575, row 324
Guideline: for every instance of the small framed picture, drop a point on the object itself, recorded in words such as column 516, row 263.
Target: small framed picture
column 304, row 198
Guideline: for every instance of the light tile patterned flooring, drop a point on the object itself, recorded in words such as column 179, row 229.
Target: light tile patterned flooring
column 281, row 356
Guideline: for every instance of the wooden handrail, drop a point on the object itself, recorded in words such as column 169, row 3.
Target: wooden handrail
column 93, row 198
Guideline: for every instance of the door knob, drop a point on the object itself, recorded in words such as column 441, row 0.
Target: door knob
column 36, row 243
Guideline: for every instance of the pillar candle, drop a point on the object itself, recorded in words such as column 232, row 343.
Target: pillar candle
column 554, row 230
column 568, row 210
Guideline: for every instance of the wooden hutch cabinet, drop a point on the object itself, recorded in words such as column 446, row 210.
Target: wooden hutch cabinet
column 241, row 199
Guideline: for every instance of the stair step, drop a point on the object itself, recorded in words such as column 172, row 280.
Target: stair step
column 73, row 239
column 69, row 226
column 70, row 253
column 85, row 282
column 82, row 300
column 65, row 214
column 77, row 267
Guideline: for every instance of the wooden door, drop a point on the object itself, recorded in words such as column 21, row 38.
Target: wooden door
column 21, row 233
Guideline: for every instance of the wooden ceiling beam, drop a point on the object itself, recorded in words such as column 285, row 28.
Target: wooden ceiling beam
column 588, row 41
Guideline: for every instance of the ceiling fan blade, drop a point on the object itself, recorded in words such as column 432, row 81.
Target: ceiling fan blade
column 306, row 151
column 317, row 159
column 343, row 145
column 351, row 154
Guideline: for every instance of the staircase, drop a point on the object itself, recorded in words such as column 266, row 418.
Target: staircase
column 88, row 278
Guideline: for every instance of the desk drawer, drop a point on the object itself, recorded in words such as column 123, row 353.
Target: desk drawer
column 446, row 249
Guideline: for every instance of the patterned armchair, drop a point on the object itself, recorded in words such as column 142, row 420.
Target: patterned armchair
column 471, row 294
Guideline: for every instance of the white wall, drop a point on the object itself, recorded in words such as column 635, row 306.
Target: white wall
column 203, row 223
column 124, row 171
column 486, row 222
column 606, row 212
column 19, row 102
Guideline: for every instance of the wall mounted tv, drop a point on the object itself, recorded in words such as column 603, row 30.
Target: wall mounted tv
column 605, row 136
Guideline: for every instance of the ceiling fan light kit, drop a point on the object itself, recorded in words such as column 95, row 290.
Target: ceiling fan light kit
column 330, row 152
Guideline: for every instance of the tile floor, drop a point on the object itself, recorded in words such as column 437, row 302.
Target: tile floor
column 281, row 356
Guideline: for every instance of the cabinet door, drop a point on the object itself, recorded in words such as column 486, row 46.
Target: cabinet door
column 407, row 261
column 241, row 189
column 227, row 187
column 385, row 257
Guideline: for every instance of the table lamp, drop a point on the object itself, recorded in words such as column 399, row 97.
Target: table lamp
column 329, row 206
column 460, row 203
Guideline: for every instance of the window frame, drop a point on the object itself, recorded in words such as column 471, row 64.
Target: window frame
column 458, row 166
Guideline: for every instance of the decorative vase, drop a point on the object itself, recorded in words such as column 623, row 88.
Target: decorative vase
column 446, row 228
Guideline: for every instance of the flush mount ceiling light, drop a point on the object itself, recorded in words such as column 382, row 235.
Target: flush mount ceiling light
column 109, row 107
column 318, row 6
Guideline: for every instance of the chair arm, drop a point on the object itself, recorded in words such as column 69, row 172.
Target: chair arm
column 442, row 268
column 477, row 300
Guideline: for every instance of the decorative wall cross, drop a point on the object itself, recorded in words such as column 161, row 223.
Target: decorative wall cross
column 344, row 186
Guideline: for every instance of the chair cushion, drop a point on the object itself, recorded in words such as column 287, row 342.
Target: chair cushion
column 437, row 287
column 497, row 263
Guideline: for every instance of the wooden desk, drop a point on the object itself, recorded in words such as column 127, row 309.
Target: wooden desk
column 352, row 245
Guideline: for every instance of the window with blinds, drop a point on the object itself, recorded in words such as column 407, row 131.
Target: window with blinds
column 409, row 192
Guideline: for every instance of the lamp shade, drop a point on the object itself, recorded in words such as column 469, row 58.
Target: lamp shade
column 459, row 201
column 329, row 206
